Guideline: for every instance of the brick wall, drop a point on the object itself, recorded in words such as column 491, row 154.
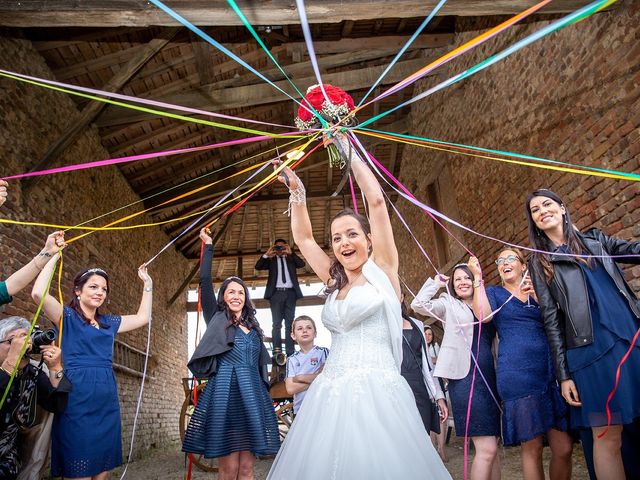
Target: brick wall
column 572, row 97
column 31, row 118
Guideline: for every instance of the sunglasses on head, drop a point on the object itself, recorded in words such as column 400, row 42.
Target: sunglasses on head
column 509, row 258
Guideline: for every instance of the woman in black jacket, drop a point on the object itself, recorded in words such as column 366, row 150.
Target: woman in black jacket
column 591, row 316
column 234, row 419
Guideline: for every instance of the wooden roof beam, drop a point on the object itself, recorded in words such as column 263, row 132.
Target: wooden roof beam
column 249, row 95
column 93, row 109
column 132, row 13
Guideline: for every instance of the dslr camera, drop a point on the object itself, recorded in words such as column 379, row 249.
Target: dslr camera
column 278, row 248
column 40, row 338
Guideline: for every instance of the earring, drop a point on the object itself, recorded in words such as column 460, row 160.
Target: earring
column 78, row 297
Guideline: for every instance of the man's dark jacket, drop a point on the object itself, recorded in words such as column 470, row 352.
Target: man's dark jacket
column 293, row 261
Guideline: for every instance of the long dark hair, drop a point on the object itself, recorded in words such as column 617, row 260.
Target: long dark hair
column 540, row 240
column 248, row 314
column 336, row 270
column 81, row 278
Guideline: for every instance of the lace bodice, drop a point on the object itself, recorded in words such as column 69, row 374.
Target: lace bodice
column 359, row 333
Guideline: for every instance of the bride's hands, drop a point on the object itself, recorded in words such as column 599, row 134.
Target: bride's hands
column 286, row 176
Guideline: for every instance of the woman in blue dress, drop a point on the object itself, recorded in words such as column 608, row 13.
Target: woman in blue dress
column 590, row 316
column 86, row 438
column 531, row 402
column 234, row 419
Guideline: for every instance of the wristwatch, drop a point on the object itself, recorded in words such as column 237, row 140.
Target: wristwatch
column 59, row 374
column 478, row 283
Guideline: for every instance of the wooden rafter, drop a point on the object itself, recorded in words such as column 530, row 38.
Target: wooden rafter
column 244, row 96
column 92, row 110
column 115, row 13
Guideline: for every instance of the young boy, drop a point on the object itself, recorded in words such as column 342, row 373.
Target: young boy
column 306, row 364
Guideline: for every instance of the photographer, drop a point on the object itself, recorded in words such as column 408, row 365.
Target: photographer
column 283, row 290
column 30, row 386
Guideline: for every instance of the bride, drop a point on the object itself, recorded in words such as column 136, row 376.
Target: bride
column 359, row 418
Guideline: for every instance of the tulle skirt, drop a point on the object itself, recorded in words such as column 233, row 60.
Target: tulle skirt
column 363, row 424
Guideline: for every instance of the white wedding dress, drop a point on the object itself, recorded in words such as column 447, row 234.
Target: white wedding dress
column 359, row 419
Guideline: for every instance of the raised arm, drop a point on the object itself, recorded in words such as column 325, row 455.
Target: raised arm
column 207, row 295
column 481, row 305
column 51, row 307
column 23, row 277
column 264, row 262
column 626, row 252
column 318, row 260
column 385, row 253
column 425, row 304
column 143, row 315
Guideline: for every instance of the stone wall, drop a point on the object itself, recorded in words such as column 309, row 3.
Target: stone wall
column 572, row 97
column 31, row 119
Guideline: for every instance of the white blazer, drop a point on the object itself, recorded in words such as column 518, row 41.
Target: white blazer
column 454, row 359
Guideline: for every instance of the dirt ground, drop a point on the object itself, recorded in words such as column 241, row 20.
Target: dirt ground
column 170, row 465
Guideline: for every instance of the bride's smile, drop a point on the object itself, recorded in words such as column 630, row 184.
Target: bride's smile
column 350, row 243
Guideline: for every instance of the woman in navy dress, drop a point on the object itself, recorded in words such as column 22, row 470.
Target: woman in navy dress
column 531, row 402
column 86, row 438
column 234, row 419
column 591, row 316
column 461, row 334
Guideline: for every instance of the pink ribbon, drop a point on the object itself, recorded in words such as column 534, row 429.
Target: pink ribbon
column 133, row 158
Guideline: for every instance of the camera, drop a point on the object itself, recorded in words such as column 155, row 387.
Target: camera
column 278, row 248
column 40, row 338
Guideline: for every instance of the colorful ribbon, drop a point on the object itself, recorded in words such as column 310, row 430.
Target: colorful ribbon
column 143, row 109
column 419, row 30
column 176, row 16
column 461, row 148
column 127, row 98
column 578, row 15
column 135, row 158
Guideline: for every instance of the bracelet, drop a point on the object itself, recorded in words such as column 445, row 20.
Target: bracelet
column 478, row 283
column 297, row 196
column 148, row 289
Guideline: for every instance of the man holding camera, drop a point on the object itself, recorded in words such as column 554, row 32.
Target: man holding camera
column 30, row 386
column 283, row 290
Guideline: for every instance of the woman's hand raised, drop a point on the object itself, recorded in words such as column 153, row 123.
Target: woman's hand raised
column 205, row 236
column 144, row 275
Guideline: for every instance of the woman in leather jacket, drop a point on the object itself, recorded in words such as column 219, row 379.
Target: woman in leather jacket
column 590, row 316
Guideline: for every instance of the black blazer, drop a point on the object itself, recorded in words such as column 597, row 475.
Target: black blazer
column 219, row 336
column 293, row 261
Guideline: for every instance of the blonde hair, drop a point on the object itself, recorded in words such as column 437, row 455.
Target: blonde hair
column 303, row 318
